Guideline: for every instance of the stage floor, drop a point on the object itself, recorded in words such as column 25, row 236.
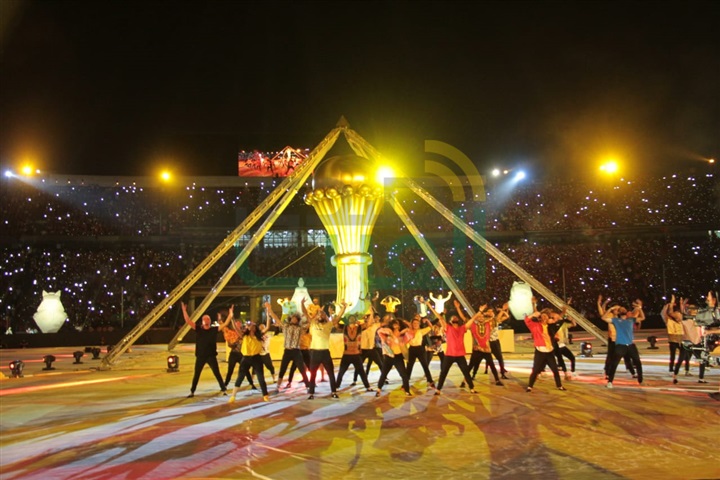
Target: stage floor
column 135, row 421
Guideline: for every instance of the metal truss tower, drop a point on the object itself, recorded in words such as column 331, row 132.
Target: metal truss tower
column 280, row 198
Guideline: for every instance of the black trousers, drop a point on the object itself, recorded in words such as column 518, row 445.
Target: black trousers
column 496, row 350
column 620, row 352
column 461, row 362
column 561, row 352
column 356, row 361
column 476, row 359
column 685, row 356
column 211, row 361
column 541, row 360
column 399, row 363
column 306, row 360
column 255, row 362
column 317, row 358
column 371, row 355
column 267, row 362
column 292, row 355
column 611, row 355
column 675, row 348
column 235, row 359
column 418, row 353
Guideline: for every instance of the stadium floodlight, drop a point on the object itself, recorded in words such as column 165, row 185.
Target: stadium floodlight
column 610, row 167
column 384, row 173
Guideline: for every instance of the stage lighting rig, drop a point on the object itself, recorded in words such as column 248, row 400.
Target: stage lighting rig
column 49, row 359
column 16, row 368
column 78, row 355
column 173, row 363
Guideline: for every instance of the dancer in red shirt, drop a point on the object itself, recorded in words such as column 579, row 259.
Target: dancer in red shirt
column 538, row 322
column 481, row 326
column 455, row 352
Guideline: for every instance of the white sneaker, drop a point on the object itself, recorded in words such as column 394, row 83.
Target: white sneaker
column 609, row 385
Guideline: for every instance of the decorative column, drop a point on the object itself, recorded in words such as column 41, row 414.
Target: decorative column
column 348, row 200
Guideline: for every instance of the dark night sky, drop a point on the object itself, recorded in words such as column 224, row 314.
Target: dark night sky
column 113, row 87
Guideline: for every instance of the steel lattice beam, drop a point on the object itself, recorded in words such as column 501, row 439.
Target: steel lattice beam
column 289, row 183
column 505, row 260
column 362, row 147
column 292, row 190
column 447, row 278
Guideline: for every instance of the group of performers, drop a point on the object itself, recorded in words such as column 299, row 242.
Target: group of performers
column 688, row 335
column 392, row 342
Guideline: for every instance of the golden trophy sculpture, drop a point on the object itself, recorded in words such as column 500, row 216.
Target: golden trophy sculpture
column 348, row 198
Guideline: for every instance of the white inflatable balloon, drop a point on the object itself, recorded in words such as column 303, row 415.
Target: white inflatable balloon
column 520, row 300
column 50, row 315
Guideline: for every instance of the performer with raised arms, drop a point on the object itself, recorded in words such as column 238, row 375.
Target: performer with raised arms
column 455, row 353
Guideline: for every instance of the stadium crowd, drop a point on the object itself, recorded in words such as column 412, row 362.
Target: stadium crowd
column 115, row 252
